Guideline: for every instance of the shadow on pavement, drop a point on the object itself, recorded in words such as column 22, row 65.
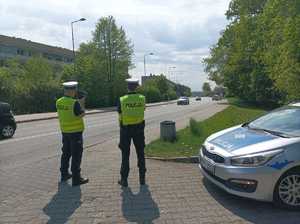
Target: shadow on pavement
column 63, row 204
column 140, row 207
column 251, row 210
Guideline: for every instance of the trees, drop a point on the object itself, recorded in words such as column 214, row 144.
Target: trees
column 102, row 64
column 206, row 89
column 280, row 29
column 160, row 88
column 151, row 92
column 257, row 56
column 30, row 87
column 157, row 89
column 182, row 90
column 219, row 90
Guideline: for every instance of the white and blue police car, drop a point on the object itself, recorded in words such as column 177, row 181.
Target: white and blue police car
column 259, row 159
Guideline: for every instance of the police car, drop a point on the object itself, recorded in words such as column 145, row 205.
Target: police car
column 259, row 159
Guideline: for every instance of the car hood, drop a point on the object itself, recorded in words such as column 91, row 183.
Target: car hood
column 242, row 140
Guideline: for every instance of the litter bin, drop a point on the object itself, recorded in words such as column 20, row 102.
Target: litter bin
column 168, row 131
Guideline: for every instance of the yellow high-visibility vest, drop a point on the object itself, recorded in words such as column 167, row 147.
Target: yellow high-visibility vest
column 69, row 122
column 132, row 109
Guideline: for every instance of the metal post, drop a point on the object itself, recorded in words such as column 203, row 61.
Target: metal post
column 145, row 73
column 170, row 72
column 73, row 44
column 144, row 65
column 73, row 48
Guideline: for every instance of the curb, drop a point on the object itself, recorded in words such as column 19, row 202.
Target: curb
column 160, row 104
column 111, row 109
column 35, row 119
column 192, row 159
column 55, row 117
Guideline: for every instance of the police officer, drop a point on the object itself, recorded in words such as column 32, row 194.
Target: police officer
column 71, row 115
column 131, row 109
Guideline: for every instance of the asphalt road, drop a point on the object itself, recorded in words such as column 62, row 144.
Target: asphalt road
column 41, row 140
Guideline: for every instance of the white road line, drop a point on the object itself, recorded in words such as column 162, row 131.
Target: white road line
column 28, row 137
column 44, row 135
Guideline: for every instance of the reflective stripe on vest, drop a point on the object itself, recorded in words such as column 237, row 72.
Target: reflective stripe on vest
column 132, row 109
column 69, row 123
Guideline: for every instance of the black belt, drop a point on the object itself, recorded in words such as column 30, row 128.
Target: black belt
column 139, row 125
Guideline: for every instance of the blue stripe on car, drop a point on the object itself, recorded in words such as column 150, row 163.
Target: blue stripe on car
column 280, row 165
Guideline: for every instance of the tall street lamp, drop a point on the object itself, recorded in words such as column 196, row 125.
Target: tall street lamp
column 170, row 73
column 79, row 20
column 145, row 62
column 169, row 79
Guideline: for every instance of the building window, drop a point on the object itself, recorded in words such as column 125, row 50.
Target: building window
column 20, row 52
column 47, row 56
column 58, row 58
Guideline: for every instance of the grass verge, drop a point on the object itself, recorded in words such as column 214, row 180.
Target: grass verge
column 188, row 142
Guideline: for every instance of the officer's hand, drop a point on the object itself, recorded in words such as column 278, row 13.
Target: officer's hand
column 82, row 102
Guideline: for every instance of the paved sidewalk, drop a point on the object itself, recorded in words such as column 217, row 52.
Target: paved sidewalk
column 53, row 115
column 176, row 193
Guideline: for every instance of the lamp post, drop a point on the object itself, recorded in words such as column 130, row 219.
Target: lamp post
column 79, row 20
column 145, row 62
column 170, row 72
column 169, row 78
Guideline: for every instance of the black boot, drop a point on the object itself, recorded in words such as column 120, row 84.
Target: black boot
column 79, row 181
column 142, row 180
column 123, row 182
column 65, row 177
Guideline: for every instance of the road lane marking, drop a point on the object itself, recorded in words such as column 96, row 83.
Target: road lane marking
column 7, row 141
column 28, row 137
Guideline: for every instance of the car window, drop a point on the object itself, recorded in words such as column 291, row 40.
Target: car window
column 285, row 120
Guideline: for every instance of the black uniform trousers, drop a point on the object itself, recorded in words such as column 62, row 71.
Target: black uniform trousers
column 136, row 133
column 72, row 147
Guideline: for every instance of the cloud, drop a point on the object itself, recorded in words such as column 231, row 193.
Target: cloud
column 179, row 33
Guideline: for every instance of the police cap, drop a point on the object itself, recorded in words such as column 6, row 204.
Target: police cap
column 132, row 81
column 70, row 85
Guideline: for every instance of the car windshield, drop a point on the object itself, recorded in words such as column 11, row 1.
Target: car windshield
column 283, row 121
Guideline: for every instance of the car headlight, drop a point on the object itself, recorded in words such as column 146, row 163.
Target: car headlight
column 254, row 160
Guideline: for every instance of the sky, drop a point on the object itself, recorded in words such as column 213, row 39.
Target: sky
column 178, row 33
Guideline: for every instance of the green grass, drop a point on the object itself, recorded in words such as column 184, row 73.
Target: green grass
column 188, row 144
column 240, row 103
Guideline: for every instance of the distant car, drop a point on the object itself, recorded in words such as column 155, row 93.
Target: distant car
column 259, row 159
column 183, row 100
column 198, row 98
column 216, row 97
column 7, row 121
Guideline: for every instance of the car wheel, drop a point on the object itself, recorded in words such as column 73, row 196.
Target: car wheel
column 7, row 131
column 287, row 190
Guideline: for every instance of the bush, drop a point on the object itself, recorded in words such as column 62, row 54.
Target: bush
column 195, row 127
column 151, row 93
column 30, row 87
column 172, row 95
column 38, row 99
